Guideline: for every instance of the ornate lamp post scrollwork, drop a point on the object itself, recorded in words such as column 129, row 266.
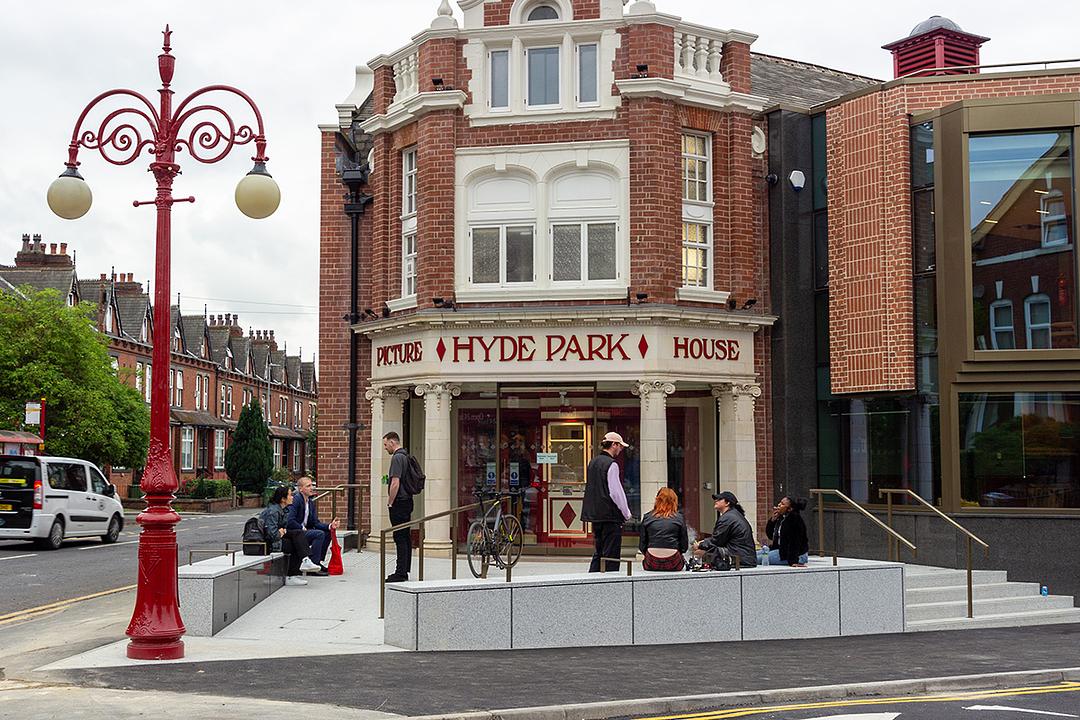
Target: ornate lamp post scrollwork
column 208, row 134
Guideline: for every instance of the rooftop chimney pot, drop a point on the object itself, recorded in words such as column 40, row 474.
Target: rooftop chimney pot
column 63, row 248
column 52, row 248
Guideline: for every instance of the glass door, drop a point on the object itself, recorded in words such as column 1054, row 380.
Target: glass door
column 564, row 479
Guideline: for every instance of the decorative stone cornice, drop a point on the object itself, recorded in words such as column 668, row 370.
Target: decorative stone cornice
column 584, row 316
column 703, row 94
column 402, row 113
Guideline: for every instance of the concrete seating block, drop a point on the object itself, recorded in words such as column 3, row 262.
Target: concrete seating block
column 472, row 620
column 791, row 603
column 872, row 601
column 581, row 614
column 688, row 608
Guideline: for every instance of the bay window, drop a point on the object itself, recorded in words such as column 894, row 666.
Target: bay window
column 587, row 74
column 583, row 251
column 542, row 76
column 696, row 254
column 408, row 265
column 219, row 449
column 499, row 65
column 502, row 254
column 187, row 448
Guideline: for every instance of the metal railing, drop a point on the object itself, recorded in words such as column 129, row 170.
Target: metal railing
column 333, row 492
column 971, row 537
column 820, row 492
column 420, row 523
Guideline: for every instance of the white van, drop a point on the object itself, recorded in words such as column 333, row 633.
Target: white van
column 48, row 499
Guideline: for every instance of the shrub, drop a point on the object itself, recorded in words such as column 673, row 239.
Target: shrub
column 206, row 488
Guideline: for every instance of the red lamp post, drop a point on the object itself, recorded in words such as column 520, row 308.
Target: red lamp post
column 208, row 133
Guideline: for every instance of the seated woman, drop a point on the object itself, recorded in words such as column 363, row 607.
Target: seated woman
column 279, row 538
column 788, row 544
column 663, row 538
column 732, row 537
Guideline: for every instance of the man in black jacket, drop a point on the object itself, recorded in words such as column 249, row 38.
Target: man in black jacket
column 605, row 503
column 731, row 537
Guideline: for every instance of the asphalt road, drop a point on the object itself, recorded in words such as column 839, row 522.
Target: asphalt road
column 30, row 577
column 1047, row 701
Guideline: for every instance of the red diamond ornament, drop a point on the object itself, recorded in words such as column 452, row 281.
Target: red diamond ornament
column 567, row 515
column 643, row 346
column 441, row 348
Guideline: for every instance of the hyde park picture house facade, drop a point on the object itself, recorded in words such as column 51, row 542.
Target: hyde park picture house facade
column 591, row 216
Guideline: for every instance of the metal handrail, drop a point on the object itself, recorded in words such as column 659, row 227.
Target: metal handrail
column 333, row 493
column 420, row 522
column 821, row 521
column 971, row 537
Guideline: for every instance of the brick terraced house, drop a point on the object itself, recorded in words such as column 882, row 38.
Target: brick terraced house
column 216, row 369
column 568, row 236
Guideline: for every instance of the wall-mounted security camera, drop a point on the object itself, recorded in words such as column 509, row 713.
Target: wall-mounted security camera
column 797, row 180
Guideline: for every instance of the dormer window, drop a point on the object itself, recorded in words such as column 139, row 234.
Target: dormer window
column 542, row 12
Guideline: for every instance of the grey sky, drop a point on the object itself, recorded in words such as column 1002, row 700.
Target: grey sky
column 296, row 60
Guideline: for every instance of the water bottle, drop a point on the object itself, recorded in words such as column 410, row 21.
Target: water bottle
column 1044, row 591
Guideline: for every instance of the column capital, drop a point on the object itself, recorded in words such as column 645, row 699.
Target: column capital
column 448, row 389
column 658, row 388
column 385, row 392
column 737, row 390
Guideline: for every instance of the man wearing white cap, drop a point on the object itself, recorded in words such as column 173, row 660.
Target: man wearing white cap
column 605, row 503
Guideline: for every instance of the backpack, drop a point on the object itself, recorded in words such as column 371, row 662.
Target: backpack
column 414, row 479
column 254, row 536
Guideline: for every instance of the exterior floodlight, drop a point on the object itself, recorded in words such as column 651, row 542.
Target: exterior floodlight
column 69, row 196
column 257, row 194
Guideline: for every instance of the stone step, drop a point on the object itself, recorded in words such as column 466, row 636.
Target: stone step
column 981, row 591
column 1045, row 617
column 957, row 609
column 925, row 577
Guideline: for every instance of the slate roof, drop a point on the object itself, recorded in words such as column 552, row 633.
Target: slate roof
column 259, row 353
column 307, row 376
column 801, row 84
column 100, row 293
column 241, row 349
column 277, row 366
column 41, row 278
column 292, row 367
column 219, row 343
column 133, row 308
column 193, row 328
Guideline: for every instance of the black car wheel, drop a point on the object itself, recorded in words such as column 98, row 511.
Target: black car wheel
column 55, row 538
column 113, row 532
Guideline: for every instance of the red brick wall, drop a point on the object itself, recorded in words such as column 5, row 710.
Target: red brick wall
column 334, row 280
column 435, row 206
column 870, row 264
column 498, row 13
column 646, row 44
column 735, row 66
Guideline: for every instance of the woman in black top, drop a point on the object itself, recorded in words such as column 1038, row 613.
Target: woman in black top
column 663, row 538
column 788, row 544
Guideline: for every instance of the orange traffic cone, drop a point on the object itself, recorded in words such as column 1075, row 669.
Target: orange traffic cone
column 334, row 567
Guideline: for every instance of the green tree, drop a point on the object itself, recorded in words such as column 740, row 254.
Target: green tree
column 250, row 458
column 52, row 351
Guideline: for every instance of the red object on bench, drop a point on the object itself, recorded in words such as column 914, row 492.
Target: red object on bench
column 334, row 567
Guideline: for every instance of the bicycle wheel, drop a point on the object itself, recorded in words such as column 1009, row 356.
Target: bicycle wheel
column 477, row 549
column 508, row 541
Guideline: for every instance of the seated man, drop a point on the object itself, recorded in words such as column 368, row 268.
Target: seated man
column 302, row 516
column 280, row 539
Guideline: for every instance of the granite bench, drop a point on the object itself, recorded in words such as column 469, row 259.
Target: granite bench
column 586, row 610
column 216, row 591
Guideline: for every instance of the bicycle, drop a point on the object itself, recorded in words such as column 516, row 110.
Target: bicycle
column 495, row 536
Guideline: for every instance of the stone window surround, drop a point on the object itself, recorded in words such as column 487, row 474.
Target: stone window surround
column 541, row 162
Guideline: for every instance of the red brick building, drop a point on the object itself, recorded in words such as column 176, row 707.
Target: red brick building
column 216, row 369
column 567, row 237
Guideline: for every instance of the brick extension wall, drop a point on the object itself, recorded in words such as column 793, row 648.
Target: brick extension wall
column 871, row 304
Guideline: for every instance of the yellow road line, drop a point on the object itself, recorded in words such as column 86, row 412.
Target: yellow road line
column 973, row 695
column 62, row 603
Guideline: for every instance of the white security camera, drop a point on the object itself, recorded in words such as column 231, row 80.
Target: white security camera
column 797, row 180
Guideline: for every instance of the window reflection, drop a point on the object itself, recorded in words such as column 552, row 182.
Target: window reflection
column 1022, row 245
column 1020, row 449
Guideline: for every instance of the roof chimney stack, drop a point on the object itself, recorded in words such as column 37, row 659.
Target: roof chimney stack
column 63, row 248
column 936, row 46
column 26, row 242
column 52, row 248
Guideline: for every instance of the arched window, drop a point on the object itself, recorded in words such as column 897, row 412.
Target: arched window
column 502, row 224
column 542, row 12
column 583, row 217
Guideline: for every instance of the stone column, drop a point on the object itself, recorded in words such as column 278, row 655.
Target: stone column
column 738, row 443
column 386, row 414
column 653, row 453
column 437, row 434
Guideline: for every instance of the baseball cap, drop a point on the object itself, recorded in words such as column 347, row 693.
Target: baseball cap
column 726, row 495
column 614, row 437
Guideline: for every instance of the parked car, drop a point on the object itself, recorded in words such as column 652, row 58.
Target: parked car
column 49, row 499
